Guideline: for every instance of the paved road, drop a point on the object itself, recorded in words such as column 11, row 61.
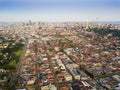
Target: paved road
column 19, row 65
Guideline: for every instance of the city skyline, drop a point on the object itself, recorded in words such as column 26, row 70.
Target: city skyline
column 59, row 10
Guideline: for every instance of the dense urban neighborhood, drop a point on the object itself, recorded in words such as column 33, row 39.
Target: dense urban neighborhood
column 59, row 56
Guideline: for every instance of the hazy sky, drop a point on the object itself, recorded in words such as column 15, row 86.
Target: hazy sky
column 59, row 10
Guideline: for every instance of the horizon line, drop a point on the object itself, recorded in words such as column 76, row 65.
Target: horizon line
column 54, row 21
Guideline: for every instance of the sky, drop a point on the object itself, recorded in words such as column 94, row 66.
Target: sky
column 59, row 10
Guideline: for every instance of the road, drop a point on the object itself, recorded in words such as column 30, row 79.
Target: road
column 19, row 65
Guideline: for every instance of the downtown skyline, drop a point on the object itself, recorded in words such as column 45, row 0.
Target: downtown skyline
column 59, row 10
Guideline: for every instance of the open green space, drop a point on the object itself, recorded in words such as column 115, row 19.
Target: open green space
column 65, row 41
column 11, row 65
column 10, row 61
column 106, row 31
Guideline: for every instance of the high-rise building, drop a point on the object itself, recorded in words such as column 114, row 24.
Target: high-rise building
column 86, row 24
column 30, row 22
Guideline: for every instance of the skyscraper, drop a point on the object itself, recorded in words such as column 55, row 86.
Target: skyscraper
column 86, row 24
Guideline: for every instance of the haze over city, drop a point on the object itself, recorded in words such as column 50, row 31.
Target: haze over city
column 59, row 45
column 59, row 10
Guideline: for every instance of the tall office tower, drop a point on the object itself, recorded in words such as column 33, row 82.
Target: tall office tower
column 30, row 22
column 97, row 22
column 86, row 24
